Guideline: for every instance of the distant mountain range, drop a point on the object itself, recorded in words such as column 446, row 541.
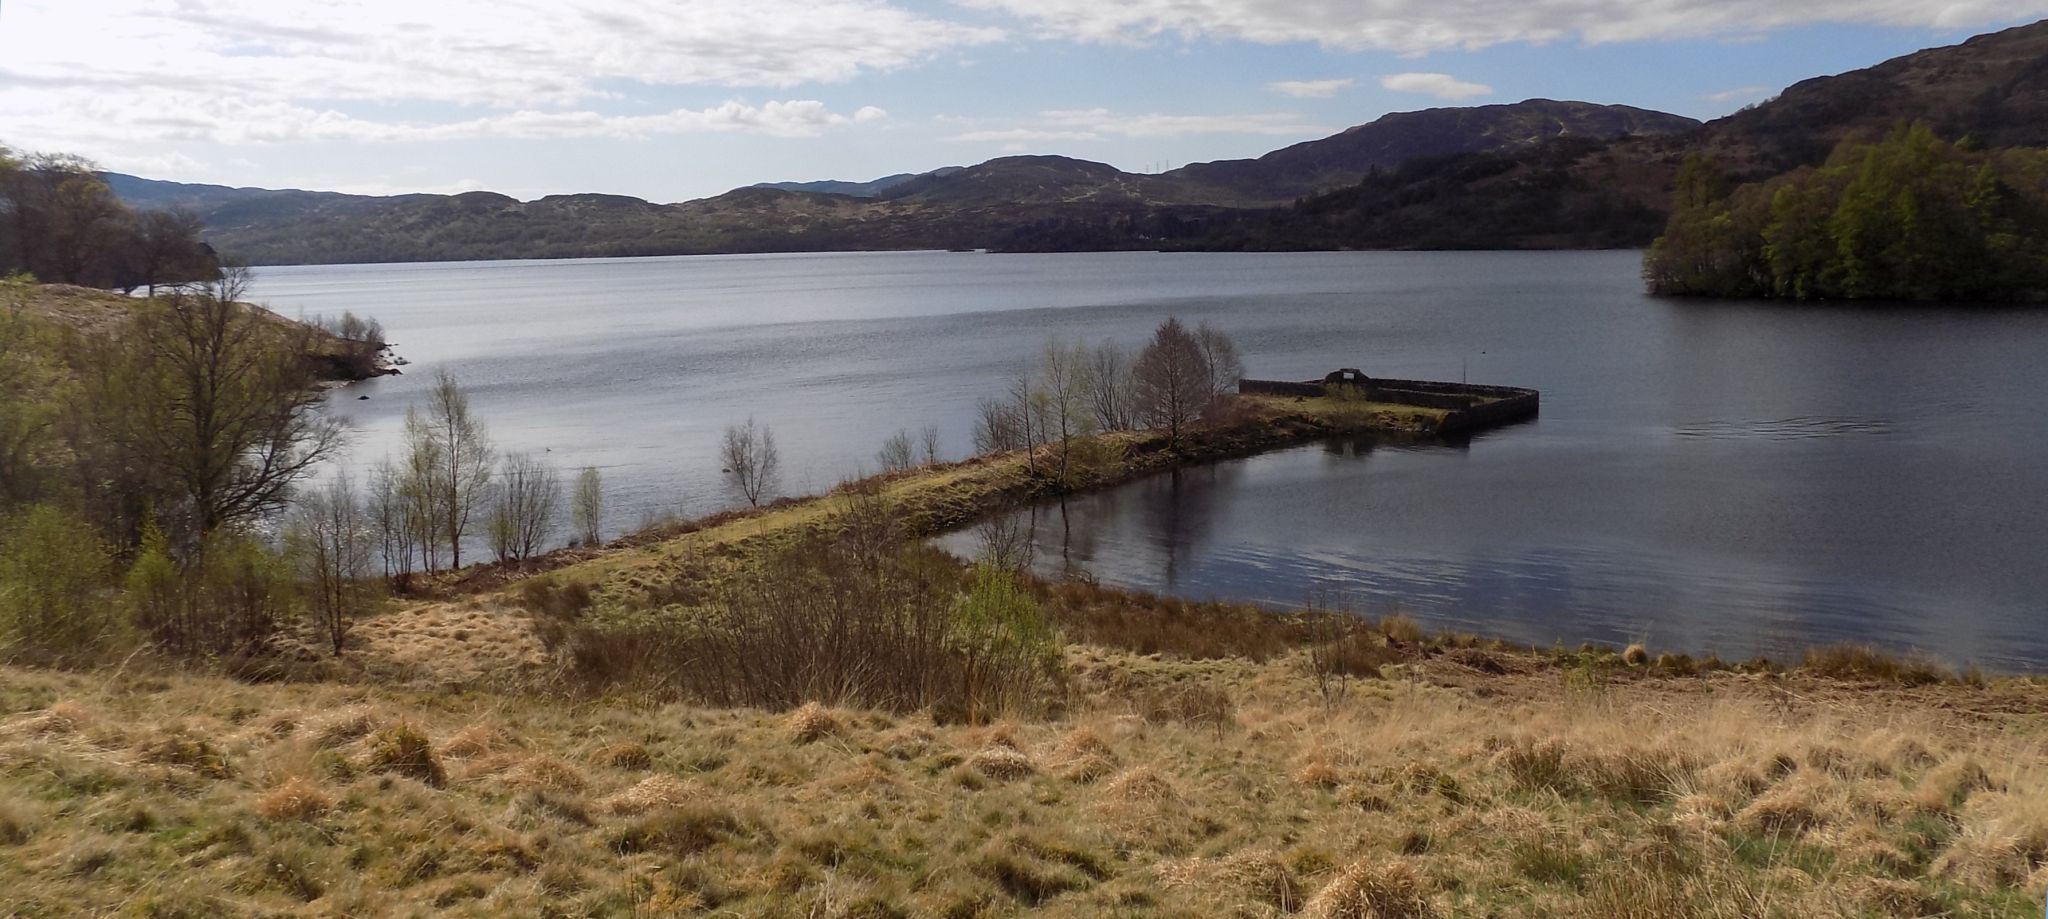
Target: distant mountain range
column 1535, row 174
column 872, row 189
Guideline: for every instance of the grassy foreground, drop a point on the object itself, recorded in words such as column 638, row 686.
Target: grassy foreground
column 1201, row 760
column 1459, row 784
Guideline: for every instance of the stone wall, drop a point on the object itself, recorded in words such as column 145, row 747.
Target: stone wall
column 1470, row 406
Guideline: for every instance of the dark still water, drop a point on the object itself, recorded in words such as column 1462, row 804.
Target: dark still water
column 1727, row 477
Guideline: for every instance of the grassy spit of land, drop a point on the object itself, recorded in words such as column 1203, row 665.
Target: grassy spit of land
column 1203, row 760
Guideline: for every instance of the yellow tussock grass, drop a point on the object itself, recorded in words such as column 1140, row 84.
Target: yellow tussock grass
column 1001, row 762
column 811, row 723
column 1371, row 890
column 655, row 792
column 296, row 799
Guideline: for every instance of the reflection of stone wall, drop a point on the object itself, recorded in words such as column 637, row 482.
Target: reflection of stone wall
column 1472, row 406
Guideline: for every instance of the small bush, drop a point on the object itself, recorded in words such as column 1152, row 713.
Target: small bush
column 403, row 749
column 54, row 575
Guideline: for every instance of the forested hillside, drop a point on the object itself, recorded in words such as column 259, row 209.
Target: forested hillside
column 1912, row 217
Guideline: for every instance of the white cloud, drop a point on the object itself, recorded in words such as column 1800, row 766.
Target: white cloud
column 105, row 122
column 1739, row 93
column 1104, row 121
column 1100, row 124
column 1417, row 26
column 1440, row 85
column 1012, row 137
column 255, row 70
column 1309, row 89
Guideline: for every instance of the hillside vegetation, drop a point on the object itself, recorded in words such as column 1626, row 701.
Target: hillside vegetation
column 1911, row 217
column 1019, row 203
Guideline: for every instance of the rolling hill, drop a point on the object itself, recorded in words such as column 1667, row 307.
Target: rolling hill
column 1018, row 202
column 1534, row 174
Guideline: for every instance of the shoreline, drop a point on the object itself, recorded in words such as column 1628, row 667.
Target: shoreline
column 949, row 498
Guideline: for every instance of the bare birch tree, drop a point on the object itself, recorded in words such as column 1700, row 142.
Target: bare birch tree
column 588, row 506
column 996, row 426
column 529, row 500
column 751, row 461
column 1220, row 359
column 1060, row 394
column 331, row 539
column 391, row 513
column 1172, row 380
column 1109, row 387
column 462, row 464
column 898, row 453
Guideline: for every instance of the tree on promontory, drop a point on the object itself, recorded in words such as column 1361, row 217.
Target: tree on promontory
column 1171, row 379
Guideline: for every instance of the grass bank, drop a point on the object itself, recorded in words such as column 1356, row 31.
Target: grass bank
column 933, row 500
column 1444, row 786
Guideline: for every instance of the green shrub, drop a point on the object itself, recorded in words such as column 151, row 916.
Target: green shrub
column 54, row 579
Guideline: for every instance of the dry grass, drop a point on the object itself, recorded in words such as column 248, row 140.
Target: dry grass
column 296, row 799
column 811, row 722
column 1662, row 796
column 1371, row 890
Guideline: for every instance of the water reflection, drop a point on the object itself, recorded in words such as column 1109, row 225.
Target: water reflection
column 1339, row 519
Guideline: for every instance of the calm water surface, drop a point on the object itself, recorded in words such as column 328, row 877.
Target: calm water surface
column 1727, row 477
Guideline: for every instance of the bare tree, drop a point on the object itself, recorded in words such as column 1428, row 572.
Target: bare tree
column 1221, row 360
column 931, row 445
column 751, row 460
column 210, row 408
column 1060, row 396
column 1109, row 387
column 417, row 486
column 529, row 496
column 897, row 454
column 588, row 506
column 391, row 513
column 462, row 460
column 997, row 429
column 1172, row 380
column 1028, row 410
column 331, row 540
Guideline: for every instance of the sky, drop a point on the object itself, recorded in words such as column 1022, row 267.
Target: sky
column 677, row 99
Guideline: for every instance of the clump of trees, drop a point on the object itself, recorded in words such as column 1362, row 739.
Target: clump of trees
column 1073, row 392
column 142, row 467
column 161, row 483
column 61, row 222
column 1908, row 217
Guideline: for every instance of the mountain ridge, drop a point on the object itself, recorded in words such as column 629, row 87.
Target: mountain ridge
column 1534, row 174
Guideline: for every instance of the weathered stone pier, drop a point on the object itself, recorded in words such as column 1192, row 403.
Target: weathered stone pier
column 1468, row 407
